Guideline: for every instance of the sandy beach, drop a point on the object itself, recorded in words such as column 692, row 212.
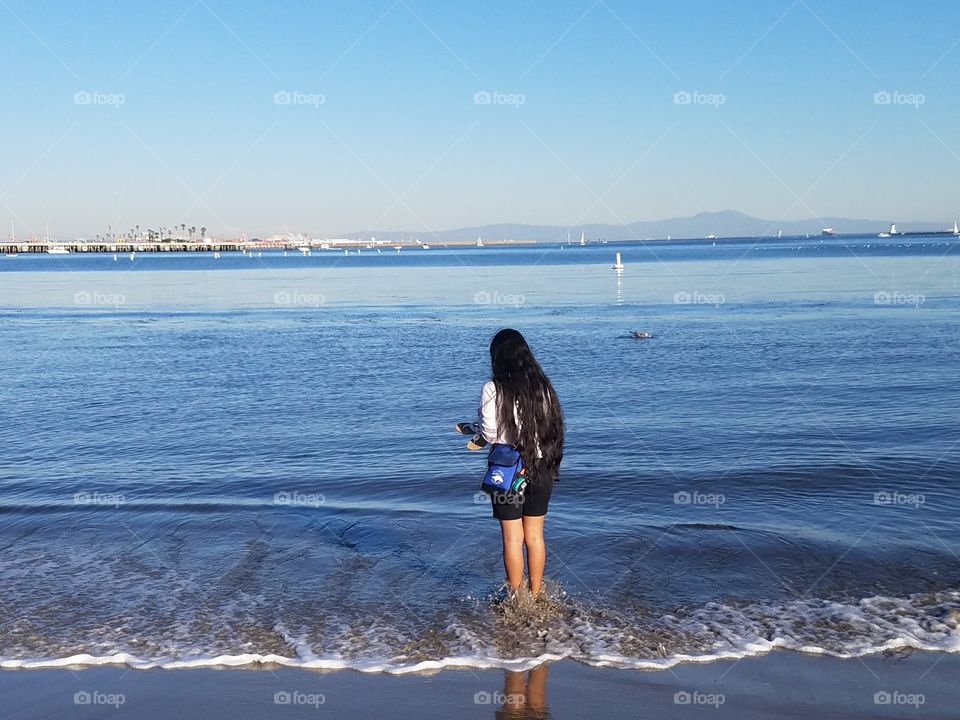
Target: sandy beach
column 778, row 685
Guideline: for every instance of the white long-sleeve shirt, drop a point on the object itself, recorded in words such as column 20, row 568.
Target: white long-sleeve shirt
column 487, row 417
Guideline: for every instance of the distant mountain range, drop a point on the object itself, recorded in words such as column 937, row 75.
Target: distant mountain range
column 726, row 223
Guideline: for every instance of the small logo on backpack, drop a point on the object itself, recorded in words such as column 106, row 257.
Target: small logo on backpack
column 497, row 477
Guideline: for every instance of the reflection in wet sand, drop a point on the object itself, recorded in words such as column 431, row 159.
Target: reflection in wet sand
column 524, row 695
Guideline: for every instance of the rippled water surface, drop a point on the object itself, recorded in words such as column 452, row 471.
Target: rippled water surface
column 225, row 460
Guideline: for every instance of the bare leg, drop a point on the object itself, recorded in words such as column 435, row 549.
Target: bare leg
column 536, row 550
column 513, row 551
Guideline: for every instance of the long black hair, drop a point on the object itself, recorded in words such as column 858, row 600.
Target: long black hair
column 525, row 394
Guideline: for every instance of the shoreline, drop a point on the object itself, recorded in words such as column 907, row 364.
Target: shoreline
column 85, row 247
column 781, row 684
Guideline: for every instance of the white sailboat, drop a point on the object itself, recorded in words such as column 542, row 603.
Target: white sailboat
column 893, row 231
column 618, row 265
column 479, row 241
column 583, row 239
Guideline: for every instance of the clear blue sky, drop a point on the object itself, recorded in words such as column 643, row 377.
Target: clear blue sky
column 399, row 142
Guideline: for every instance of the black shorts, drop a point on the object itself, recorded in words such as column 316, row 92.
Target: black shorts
column 532, row 502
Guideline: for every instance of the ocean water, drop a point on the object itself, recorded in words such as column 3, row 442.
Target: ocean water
column 252, row 458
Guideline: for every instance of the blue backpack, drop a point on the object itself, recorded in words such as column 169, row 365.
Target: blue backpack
column 505, row 471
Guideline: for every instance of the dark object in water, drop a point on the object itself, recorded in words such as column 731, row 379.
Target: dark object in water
column 640, row 335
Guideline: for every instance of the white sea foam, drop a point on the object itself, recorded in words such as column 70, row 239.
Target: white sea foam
column 709, row 633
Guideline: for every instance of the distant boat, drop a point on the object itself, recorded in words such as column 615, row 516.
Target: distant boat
column 583, row 239
column 479, row 242
column 58, row 250
column 956, row 230
column 425, row 246
column 711, row 237
column 10, row 254
column 398, row 248
column 828, row 232
column 779, row 234
column 618, row 265
column 304, row 249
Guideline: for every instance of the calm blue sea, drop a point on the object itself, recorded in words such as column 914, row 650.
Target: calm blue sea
column 252, row 457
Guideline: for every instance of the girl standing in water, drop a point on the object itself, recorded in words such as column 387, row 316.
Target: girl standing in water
column 519, row 406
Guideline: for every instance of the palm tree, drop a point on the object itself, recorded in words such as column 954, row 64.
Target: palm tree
column 203, row 232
